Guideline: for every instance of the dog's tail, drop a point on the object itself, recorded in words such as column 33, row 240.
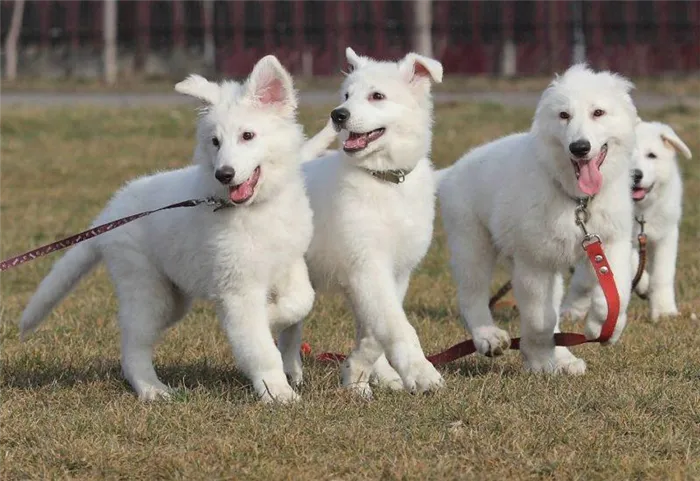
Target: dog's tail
column 440, row 174
column 318, row 144
column 64, row 275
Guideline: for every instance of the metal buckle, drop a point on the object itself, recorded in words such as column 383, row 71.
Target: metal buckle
column 397, row 176
column 217, row 203
column 590, row 239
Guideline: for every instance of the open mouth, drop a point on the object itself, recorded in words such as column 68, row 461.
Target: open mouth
column 587, row 172
column 640, row 193
column 357, row 142
column 238, row 194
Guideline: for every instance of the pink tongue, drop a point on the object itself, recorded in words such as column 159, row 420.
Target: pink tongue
column 638, row 194
column 356, row 142
column 242, row 192
column 590, row 179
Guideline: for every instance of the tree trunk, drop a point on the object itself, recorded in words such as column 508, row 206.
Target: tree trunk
column 422, row 27
column 209, row 45
column 12, row 39
column 109, row 29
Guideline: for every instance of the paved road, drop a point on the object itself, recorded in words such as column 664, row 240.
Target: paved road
column 126, row 100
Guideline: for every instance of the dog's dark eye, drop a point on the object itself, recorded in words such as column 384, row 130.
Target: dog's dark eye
column 216, row 142
column 564, row 116
column 377, row 96
column 598, row 113
column 248, row 135
column 651, row 155
column 347, row 95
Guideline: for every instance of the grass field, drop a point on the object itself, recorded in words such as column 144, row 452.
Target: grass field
column 67, row 412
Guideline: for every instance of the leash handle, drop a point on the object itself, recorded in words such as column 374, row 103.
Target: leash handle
column 100, row 229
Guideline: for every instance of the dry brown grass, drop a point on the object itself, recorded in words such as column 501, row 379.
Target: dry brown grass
column 67, row 413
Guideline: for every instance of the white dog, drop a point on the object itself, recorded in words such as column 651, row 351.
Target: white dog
column 373, row 209
column 247, row 258
column 657, row 192
column 517, row 197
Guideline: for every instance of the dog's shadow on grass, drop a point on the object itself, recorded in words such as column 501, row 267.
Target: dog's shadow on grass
column 23, row 375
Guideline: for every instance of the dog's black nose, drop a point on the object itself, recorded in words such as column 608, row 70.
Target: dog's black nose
column 580, row 148
column 340, row 116
column 637, row 175
column 225, row 174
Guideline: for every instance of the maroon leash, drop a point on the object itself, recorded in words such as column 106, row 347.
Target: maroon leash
column 101, row 229
column 593, row 247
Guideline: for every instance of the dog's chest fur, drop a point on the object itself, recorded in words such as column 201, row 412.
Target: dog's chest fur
column 365, row 219
column 661, row 215
column 548, row 233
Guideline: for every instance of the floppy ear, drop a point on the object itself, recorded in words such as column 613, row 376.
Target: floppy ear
column 270, row 85
column 355, row 61
column 671, row 139
column 198, row 87
column 420, row 70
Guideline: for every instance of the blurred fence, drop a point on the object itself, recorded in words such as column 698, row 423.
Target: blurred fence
column 524, row 37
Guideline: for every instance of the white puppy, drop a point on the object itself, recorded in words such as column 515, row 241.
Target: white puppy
column 247, row 258
column 517, row 197
column 657, row 192
column 373, row 208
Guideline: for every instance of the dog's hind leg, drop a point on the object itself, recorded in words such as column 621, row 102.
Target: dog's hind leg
column 294, row 300
column 289, row 343
column 147, row 306
column 472, row 261
column 662, row 273
column 578, row 299
column 538, row 292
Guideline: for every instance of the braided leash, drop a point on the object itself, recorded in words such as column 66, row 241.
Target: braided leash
column 101, row 229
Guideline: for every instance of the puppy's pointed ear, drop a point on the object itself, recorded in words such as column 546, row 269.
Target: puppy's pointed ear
column 198, row 87
column 270, row 85
column 420, row 70
column 671, row 139
column 355, row 61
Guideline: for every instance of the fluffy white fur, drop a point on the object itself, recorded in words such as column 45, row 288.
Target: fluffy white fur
column 516, row 197
column 657, row 192
column 248, row 258
column 369, row 234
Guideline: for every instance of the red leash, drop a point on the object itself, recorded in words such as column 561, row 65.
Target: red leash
column 100, row 229
column 593, row 247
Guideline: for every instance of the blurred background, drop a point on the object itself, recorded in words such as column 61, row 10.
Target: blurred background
column 115, row 40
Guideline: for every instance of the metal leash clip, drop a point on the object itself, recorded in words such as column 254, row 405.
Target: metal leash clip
column 217, row 203
column 582, row 217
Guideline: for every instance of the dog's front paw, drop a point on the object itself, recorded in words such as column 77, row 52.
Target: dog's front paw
column 660, row 314
column 355, row 377
column 274, row 388
column 384, row 376
column 558, row 361
column 417, row 373
column 154, row 392
column 571, row 313
column 491, row 341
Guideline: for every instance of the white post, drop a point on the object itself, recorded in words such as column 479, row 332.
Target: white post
column 12, row 39
column 109, row 29
column 422, row 27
